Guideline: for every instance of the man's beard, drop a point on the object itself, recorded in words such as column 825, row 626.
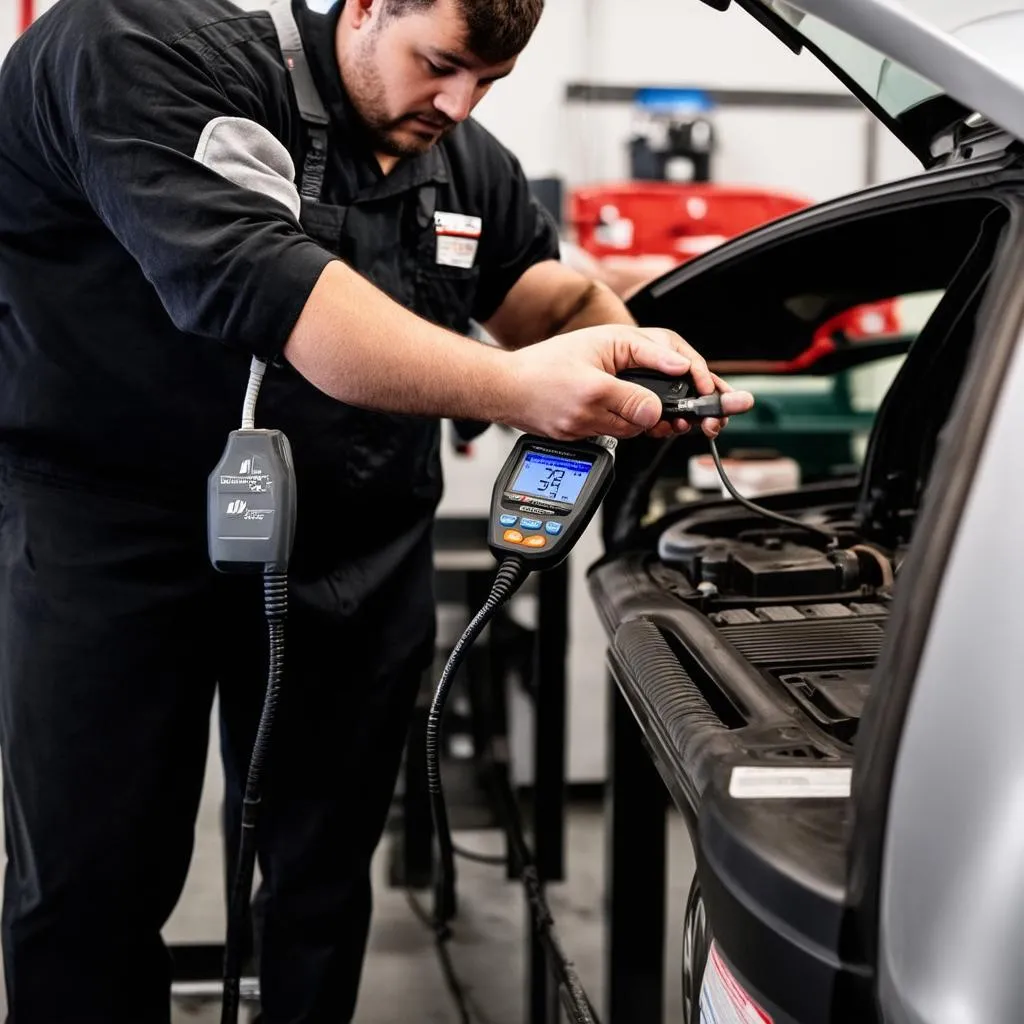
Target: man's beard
column 366, row 92
column 385, row 138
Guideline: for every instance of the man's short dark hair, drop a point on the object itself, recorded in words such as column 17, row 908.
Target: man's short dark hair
column 498, row 29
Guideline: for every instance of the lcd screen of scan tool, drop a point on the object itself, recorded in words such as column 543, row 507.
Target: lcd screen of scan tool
column 553, row 477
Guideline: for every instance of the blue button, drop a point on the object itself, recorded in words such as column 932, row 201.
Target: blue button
column 531, row 524
column 553, row 528
column 509, row 520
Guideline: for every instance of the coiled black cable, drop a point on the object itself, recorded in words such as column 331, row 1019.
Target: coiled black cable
column 511, row 574
column 275, row 600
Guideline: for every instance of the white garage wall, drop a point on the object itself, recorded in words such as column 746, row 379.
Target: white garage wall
column 527, row 111
column 667, row 41
column 676, row 42
column 9, row 13
column 10, row 20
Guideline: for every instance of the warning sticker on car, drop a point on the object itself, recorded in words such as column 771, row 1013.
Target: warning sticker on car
column 722, row 998
column 747, row 783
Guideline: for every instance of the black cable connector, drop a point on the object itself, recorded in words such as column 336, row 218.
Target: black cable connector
column 679, row 402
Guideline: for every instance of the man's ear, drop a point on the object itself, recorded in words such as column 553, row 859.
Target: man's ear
column 360, row 13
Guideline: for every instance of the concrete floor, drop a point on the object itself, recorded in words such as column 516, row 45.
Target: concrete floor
column 402, row 978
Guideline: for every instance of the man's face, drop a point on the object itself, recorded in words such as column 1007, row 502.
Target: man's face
column 411, row 77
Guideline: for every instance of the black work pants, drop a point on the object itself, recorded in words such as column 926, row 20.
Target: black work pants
column 114, row 635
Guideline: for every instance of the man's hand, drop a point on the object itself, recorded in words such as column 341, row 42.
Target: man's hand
column 565, row 388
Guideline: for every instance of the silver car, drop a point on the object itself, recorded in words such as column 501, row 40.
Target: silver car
column 836, row 706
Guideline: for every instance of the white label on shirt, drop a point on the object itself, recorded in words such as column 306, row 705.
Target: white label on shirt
column 789, row 783
column 456, row 251
column 459, row 224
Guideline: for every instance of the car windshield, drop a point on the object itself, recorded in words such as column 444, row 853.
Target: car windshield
column 979, row 25
column 895, row 88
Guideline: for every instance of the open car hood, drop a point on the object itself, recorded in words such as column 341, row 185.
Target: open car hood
column 939, row 73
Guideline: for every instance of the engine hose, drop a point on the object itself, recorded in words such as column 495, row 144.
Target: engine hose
column 511, row 574
column 275, row 599
column 883, row 561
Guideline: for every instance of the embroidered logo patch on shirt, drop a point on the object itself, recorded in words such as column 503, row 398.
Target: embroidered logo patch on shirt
column 458, row 236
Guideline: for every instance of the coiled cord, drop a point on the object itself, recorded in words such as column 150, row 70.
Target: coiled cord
column 275, row 600
column 511, row 574
column 257, row 368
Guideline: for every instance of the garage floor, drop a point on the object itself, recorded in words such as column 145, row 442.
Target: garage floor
column 403, row 979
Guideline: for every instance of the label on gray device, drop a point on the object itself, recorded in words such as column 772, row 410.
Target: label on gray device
column 251, row 478
column 244, row 515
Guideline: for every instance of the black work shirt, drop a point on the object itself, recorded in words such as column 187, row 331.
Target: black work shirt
column 152, row 241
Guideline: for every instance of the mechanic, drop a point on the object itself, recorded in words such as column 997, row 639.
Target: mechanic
column 155, row 239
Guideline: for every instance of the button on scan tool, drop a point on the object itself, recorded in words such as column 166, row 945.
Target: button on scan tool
column 536, row 541
column 553, row 528
column 508, row 520
column 531, row 524
column 513, row 537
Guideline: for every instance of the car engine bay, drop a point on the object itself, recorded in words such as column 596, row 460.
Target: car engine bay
column 808, row 620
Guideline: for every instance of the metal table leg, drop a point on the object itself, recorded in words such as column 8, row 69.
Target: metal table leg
column 636, row 875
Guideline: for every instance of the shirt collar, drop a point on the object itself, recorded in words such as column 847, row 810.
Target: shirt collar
column 318, row 24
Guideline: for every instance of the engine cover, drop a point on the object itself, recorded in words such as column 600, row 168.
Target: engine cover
column 774, row 568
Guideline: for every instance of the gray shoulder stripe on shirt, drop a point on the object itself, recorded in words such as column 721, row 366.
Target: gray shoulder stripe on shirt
column 248, row 155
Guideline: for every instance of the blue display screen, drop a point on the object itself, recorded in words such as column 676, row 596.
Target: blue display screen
column 552, row 477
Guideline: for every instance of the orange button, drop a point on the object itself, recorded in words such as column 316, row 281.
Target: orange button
column 535, row 541
column 513, row 537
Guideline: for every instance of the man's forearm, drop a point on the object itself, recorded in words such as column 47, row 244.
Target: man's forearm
column 549, row 299
column 597, row 304
column 359, row 346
